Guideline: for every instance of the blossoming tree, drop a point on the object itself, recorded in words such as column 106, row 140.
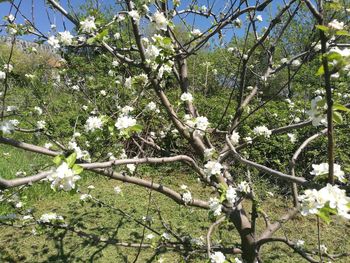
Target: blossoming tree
column 149, row 66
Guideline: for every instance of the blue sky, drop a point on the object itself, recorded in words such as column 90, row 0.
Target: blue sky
column 43, row 23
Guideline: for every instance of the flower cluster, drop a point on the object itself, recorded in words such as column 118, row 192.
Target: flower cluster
column 322, row 169
column 93, row 123
column 262, row 131
column 317, row 111
column 50, row 217
column 215, row 206
column 199, row 124
column 63, row 178
column 212, row 168
column 233, row 194
column 312, row 201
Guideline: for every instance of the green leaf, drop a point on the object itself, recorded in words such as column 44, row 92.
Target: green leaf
column 71, row 159
column 320, row 71
column 58, row 159
column 340, row 107
column 342, row 33
column 337, row 117
column 322, row 28
column 136, row 128
column 90, row 41
column 77, row 169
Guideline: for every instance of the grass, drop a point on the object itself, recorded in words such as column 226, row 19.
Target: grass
column 19, row 244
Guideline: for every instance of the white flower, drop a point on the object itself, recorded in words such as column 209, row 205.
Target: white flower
column 313, row 200
column 262, row 130
column 151, row 106
column 11, row 18
column 27, row 217
column 19, row 205
column 217, row 257
column 259, row 18
column 93, row 123
column 284, row 60
column 215, row 206
column 237, row 23
column 186, row 96
column 11, row 108
column 231, row 194
column 149, row 236
column 48, row 145
column 41, row 125
column 323, row 248
column 75, row 87
column 187, row 197
column 91, row 187
column 135, row 15
column 88, row 25
column 335, row 24
column 212, row 168
column 151, row 52
column 234, row 138
column 103, row 92
column 131, row 167
column 66, row 38
column 208, row 153
column 292, row 137
column 201, row 123
column 124, row 122
column 296, row 63
column 300, row 243
column 116, row 35
column 63, row 178
column 160, row 20
column 47, row 218
column 248, row 139
column 166, row 236
column 117, row 190
column 243, row 187
column 54, row 42
column 322, row 169
column 2, row 75
column 38, row 110
column 196, row 32
column 6, row 127
column 126, row 110
column 183, row 187
column 85, row 197
column 115, row 63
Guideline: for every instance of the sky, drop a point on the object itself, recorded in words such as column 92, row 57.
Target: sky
column 43, row 22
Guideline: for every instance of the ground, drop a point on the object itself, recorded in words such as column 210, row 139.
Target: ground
column 115, row 219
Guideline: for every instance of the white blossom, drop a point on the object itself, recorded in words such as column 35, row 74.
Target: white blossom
column 300, row 243
column 88, row 25
column 231, row 194
column 48, row 145
column 212, row 168
column 322, row 169
column 135, row 15
column 196, row 32
column 160, row 20
column 49, row 217
column 38, row 110
column 124, row 122
column 292, row 137
column 187, row 197
column 335, row 24
column 317, row 112
column 217, row 257
column 259, row 18
column 63, row 178
column 85, row 197
column 66, row 38
column 186, row 96
column 243, row 187
column 117, row 189
column 41, row 124
column 215, row 206
column 234, row 138
column 6, row 127
column 93, row 123
column 2, row 75
column 262, row 130
column 54, row 42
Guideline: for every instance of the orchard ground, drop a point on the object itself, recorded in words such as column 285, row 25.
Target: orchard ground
column 19, row 244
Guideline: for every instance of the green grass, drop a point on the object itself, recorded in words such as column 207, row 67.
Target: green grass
column 52, row 245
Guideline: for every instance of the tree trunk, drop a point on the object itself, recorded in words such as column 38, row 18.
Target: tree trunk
column 244, row 228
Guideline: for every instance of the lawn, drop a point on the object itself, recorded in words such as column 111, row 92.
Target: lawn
column 96, row 226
